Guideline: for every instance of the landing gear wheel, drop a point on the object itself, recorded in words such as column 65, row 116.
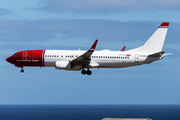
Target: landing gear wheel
column 83, row 72
column 89, row 72
column 22, row 70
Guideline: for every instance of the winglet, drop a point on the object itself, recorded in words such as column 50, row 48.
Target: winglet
column 94, row 45
column 123, row 48
column 164, row 24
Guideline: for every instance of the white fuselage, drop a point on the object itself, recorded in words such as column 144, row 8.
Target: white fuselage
column 104, row 58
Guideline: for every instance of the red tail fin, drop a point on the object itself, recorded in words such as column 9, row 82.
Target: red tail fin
column 123, row 48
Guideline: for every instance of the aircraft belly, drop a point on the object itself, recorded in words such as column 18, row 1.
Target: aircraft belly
column 49, row 62
column 111, row 65
column 115, row 64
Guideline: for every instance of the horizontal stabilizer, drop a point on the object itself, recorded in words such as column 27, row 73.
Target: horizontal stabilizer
column 168, row 54
column 159, row 54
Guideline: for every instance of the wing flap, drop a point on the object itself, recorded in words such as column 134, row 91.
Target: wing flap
column 93, row 64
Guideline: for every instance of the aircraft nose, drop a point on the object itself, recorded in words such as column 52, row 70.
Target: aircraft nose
column 9, row 59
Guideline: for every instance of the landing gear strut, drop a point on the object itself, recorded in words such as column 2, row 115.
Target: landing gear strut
column 88, row 72
column 22, row 70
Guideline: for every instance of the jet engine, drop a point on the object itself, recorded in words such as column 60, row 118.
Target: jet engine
column 63, row 65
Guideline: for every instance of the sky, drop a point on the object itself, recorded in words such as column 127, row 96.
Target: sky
column 76, row 24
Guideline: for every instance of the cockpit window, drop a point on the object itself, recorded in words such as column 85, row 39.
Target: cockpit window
column 15, row 55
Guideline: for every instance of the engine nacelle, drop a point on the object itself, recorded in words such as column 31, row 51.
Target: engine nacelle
column 63, row 65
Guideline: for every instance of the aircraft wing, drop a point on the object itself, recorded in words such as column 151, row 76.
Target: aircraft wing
column 84, row 59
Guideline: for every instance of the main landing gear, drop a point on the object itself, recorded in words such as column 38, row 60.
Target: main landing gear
column 88, row 72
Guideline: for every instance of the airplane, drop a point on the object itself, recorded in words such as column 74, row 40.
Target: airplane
column 76, row 60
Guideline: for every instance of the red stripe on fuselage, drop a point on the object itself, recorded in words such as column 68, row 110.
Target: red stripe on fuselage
column 28, row 58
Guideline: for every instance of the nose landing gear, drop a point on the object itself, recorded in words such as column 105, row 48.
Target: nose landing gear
column 22, row 70
column 88, row 72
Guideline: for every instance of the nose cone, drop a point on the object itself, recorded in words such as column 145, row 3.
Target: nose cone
column 9, row 59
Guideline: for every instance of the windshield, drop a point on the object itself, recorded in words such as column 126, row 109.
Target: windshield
column 15, row 55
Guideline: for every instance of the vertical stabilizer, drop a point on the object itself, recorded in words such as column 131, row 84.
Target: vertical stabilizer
column 156, row 41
